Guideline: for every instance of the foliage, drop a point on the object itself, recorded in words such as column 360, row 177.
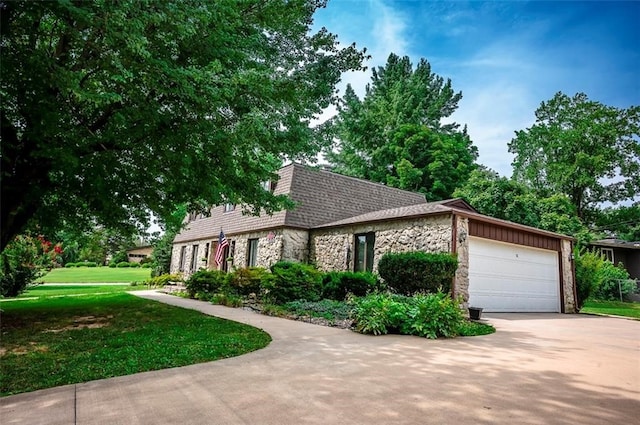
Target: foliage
column 471, row 328
column 580, row 148
column 587, row 266
column 508, row 199
column 411, row 272
column 395, row 135
column 120, row 257
column 132, row 335
column 327, row 309
column 123, row 264
column 205, row 282
column 427, row 315
column 23, row 261
column 162, row 280
column 245, row 281
column 614, row 282
column 616, row 308
column 623, row 222
column 163, row 246
column 113, row 110
column 228, row 300
column 337, row 285
column 290, row 281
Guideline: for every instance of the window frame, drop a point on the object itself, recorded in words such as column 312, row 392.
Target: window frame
column 607, row 254
column 183, row 252
column 194, row 259
column 366, row 250
column 228, row 207
column 252, row 252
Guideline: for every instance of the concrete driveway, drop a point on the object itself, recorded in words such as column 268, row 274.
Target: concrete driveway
column 537, row 369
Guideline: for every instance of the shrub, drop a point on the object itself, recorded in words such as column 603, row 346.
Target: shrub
column 146, row 266
column 337, row 285
column 614, row 281
column 205, row 282
column 412, row 272
column 226, row 300
column 587, row 265
column 290, row 281
column 245, row 281
column 135, row 265
column 427, row 315
column 112, row 264
column 87, row 264
column 123, row 264
column 69, row 265
column 328, row 309
column 162, row 280
column 120, row 257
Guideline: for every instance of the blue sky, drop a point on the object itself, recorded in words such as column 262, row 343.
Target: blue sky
column 505, row 56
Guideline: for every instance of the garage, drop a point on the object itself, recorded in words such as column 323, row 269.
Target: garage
column 508, row 277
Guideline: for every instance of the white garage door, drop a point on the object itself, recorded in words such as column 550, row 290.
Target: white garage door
column 504, row 277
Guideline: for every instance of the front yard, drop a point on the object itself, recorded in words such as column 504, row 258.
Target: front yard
column 615, row 308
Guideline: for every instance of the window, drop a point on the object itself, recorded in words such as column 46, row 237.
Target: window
column 227, row 254
column 194, row 259
column 183, row 251
column 363, row 252
column 206, row 254
column 252, row 254
column 268, row 185
column 607, row 254
column 229, row 207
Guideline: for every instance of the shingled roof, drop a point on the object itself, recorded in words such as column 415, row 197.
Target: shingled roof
column 321, row 197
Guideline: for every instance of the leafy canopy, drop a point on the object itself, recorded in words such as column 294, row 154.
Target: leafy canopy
column 113, row 109
column 396, row 136
column 581, row 148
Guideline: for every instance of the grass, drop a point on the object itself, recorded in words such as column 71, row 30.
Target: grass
column 96, row 275
column 56, row 341
column 616, row 308
column 53, row 290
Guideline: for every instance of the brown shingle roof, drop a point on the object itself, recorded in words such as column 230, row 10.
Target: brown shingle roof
column 321, row 197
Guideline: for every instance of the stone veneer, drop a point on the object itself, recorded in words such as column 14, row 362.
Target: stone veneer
column 461, row 279
column 331, row 249
column 567, row 277
column 274, row 245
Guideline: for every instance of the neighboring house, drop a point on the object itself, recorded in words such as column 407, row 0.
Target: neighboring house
column 139, row 253
column 619, row 251
column 344, row 223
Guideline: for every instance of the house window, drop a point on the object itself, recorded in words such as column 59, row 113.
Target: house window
column 229, row 207
column 227, row 254
column 194, row 258
column 363, row 252
column 206, row 254
column 607, row 254
column 267, row 185
column 183, row 252
column 252, row 254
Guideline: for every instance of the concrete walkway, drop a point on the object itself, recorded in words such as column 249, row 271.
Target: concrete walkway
column 537, row 369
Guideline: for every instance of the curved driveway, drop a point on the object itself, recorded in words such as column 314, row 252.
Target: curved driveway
column 537, row 369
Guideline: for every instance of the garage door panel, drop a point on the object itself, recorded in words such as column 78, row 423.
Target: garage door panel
column 512, row 278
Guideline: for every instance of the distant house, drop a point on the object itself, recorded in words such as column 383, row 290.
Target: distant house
column 345, row 223
column 619, row 251
column 139, row 253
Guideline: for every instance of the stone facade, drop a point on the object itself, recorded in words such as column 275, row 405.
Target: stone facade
column 568, row 277
column 331, row 249
column 461, row 280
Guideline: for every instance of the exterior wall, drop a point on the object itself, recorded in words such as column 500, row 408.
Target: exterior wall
column 568, row 281
column 332, row 249
column 273, row 246
column 461, row 279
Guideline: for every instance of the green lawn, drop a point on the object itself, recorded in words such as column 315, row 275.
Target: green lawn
column 56, row 341
column 615, row 308
column 96, row 275
column 53, row 290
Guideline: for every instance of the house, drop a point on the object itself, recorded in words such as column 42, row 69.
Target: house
column 344, row 223
column 139, row 253
column 619, row 251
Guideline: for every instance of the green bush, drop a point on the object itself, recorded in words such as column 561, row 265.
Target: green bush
column 87, row 264
column 245, row 281
column 613, row 282
column 227, row 300
column 587, row 280
column 146, row 266
column 290, row 281
column 162, row 280
column 427, row 315
column 205, row 282
column 135, row 265
column 337, row 285
column 112, row 264
column 120, row 257
column 123, row 264
column 69, row 265
column 413, row 272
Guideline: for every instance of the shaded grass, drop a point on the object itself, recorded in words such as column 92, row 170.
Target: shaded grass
column 616, row 308
column 52, row 290
column 57, row 341
column 96, row 275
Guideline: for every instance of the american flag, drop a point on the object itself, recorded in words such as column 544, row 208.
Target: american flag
column 222, row 244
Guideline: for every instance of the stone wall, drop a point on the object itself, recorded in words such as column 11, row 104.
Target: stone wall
column 202, row 262
column 331, row 249
column 461, row 279
column 567, row 277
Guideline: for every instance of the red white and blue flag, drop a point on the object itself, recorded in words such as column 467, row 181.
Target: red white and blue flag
column 222, row 244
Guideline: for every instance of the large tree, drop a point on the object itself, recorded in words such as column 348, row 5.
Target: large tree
column 110, row 109
column 396, row 134
column 581, row 148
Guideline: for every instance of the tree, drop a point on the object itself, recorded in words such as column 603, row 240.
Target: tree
column 111, row 110
column 163, row 246
column 581, row 148
column 396, row 136
column 622, row 222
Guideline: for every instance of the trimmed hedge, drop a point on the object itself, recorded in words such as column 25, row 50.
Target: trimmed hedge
column 123, row 264
column 205, row 283
column 337, row 285
column 418, row 272
column 290, row 281
column 245, row 281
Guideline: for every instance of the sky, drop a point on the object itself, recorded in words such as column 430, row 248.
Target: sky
column 505, row 56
